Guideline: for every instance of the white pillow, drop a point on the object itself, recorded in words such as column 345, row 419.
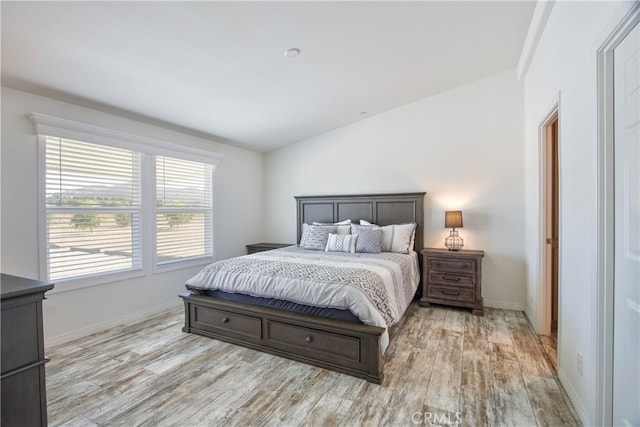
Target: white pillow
column 345, row 222
column 398, row 238
column 341, row 243
column 343, row 227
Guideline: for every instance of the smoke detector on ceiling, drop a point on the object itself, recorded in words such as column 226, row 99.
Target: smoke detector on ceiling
column 291, row 53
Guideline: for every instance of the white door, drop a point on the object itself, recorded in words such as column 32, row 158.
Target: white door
column 626, row 313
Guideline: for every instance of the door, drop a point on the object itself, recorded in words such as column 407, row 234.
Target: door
column 555, row 232
column 626, row 287
column 550, row 212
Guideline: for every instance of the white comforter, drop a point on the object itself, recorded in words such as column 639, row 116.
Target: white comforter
column 377, row 288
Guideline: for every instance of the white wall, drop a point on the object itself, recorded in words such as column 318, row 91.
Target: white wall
column 565, row 63
column 464, row 147
column 238, row 204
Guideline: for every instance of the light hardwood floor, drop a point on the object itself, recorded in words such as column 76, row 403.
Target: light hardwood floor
column 444, row 367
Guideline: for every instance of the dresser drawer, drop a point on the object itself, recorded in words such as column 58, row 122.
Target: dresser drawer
column 453, row 294
column 20, row 335
column 226, row 322
column 324, row 345
column 452, row 264
column 23, row 398
column 452, row 279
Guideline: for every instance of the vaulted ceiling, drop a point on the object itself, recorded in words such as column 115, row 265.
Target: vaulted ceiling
column 219, row 68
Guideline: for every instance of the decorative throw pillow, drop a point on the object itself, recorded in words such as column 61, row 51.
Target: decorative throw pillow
column 341, row 243
column 343, row 227
column 369, row 238
column 315, row 236
column 398, row 238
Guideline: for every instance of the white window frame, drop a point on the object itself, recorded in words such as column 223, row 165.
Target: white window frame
column 136, row 267
column 190, row 262
column 45, row 125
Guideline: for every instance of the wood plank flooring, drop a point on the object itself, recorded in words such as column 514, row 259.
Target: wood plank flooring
column 444, row 367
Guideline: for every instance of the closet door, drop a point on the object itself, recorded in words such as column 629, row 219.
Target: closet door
column 626, row 341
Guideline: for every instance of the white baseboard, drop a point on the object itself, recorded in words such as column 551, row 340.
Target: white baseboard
column 118, row 321
column 573, row 396
column 532, row 319
column 506, row 305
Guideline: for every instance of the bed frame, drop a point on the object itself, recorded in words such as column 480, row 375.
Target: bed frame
column 341, row 346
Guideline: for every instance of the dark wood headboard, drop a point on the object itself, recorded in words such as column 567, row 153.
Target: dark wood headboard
column 381, row 209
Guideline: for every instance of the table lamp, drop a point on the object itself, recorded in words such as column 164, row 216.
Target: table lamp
column 453, row 220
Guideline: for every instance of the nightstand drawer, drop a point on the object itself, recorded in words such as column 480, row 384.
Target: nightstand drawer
column 453, row 294
column 452, row 279
column 449, row 264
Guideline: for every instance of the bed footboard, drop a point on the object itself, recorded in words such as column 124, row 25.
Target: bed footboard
column 344, row 347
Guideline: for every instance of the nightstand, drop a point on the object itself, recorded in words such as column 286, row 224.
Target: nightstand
column 452, row 278
column 260, row 247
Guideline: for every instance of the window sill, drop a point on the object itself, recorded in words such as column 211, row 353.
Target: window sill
column 66, row 285
column 181, row 265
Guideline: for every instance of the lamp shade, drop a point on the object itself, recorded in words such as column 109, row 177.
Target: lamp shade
column 453, row 219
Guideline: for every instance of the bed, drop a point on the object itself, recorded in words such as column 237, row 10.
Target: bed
column 341, row 344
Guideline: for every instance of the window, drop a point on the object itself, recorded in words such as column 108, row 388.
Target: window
column 183, row 210
column 92, row 209
column 118, row 204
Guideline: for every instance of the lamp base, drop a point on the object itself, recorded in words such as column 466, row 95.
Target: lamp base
column 454, row 242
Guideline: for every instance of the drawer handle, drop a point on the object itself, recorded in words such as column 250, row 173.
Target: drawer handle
column 450, row 293
column 225, row 320
column 465, row 265
column 309, row 339
column 437, row 263
column 451, row 279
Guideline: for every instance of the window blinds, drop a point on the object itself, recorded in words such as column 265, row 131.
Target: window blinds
column 183, row 210
column 113, row 202
column 93, row 209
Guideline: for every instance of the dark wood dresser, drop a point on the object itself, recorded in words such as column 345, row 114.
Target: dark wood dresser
column 24, row 401
column 452, row 278
column 260, row 247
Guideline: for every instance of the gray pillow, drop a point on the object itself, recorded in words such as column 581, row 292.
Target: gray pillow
column 315, row 237
column 369, row 238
